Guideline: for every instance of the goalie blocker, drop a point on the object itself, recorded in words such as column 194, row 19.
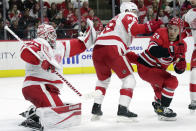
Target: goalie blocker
column 60, row 117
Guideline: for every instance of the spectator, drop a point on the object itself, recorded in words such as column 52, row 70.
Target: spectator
column 168, row 11
column 72, row 18
column 14, row 13
column 91, row 16
column 19, row 4
column 52, row 12
column 142, row 11
column 26, row 21
column 155, row 6
column 29, row 4
column 15, row 28
column 1, row 29
column 148, row 3
column 75, row 4
column 97, row 25
column 69, row 10
column 45, row 17
column 83, row 25
column 34, row 12
column 149, row 15
column 163, row 17
column 84, row 9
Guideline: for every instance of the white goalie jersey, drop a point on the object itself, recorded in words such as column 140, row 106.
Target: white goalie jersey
column 35, row 74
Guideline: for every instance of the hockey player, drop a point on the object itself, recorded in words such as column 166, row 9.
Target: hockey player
column 164, row 49
column 109, row 54
column 190, row 19
column 41, row 86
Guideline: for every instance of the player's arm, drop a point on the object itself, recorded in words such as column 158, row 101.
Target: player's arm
column 180, row 59
column 158, row 51
column 74, row 47
column 150, row 26
column 27, row 55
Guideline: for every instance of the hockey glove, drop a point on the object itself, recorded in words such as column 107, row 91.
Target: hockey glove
column 177, row 50
column 180, row 66
column 132, row 57
column 47, row 66
column 153, row 25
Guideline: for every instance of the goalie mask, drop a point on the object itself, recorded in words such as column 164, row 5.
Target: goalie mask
column 128, row 6
column 48, row 33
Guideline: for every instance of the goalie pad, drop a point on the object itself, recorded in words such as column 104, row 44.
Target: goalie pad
column 60, row 117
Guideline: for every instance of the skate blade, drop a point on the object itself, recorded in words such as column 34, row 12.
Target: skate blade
column 32, row 128
column 192, row 111
column 95, row 118
column 126, row 119
column 163, row 118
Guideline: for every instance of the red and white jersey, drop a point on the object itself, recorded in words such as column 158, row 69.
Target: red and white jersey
column 190, row 18
column 35, row 75
column 118, row 31
column 160, row 38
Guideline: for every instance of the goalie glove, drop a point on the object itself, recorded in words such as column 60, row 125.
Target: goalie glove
column 47, row 66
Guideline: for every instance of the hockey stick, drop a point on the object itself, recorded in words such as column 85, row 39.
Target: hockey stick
column 159, row 8
column 189, row 28
column 59, row 75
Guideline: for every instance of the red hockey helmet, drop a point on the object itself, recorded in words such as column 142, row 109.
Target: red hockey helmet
column 176, row 21
column 48, row 33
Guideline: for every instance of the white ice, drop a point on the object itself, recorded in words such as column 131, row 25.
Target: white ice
column 12, row 103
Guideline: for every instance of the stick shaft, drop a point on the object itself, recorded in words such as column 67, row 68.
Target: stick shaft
column 59, row 75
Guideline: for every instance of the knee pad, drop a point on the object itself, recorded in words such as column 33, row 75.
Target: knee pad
column 104, row 83
column 171, row 83
column 128, row 82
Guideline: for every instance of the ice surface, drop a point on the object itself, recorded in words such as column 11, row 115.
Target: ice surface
column 12, row 103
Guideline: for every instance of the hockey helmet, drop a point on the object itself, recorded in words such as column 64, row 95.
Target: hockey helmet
column 48, row 33
column 128, row 6
column 176, row 21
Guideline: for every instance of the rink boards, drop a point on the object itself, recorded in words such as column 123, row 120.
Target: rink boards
column 11, row 65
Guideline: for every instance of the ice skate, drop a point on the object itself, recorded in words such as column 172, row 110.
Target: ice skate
column 29, row 112
column 155, row 105
column 96, row 111
column 192, row 106
column 165, row 114
column 124, row 115
column 30, row 123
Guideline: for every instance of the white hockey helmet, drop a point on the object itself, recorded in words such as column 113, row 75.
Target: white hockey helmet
column 128, row 6
column 48, row 33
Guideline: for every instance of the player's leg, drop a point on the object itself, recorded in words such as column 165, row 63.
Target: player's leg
column 40, row 96
column 192, row 105
column 103, row 73
column 60, row 117
column 120, row 65
column 164, row 85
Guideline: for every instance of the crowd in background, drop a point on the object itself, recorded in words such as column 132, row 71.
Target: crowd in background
column 24, row 17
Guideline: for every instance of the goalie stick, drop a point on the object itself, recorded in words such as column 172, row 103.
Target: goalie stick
column 87, row 96
column 59, row 75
